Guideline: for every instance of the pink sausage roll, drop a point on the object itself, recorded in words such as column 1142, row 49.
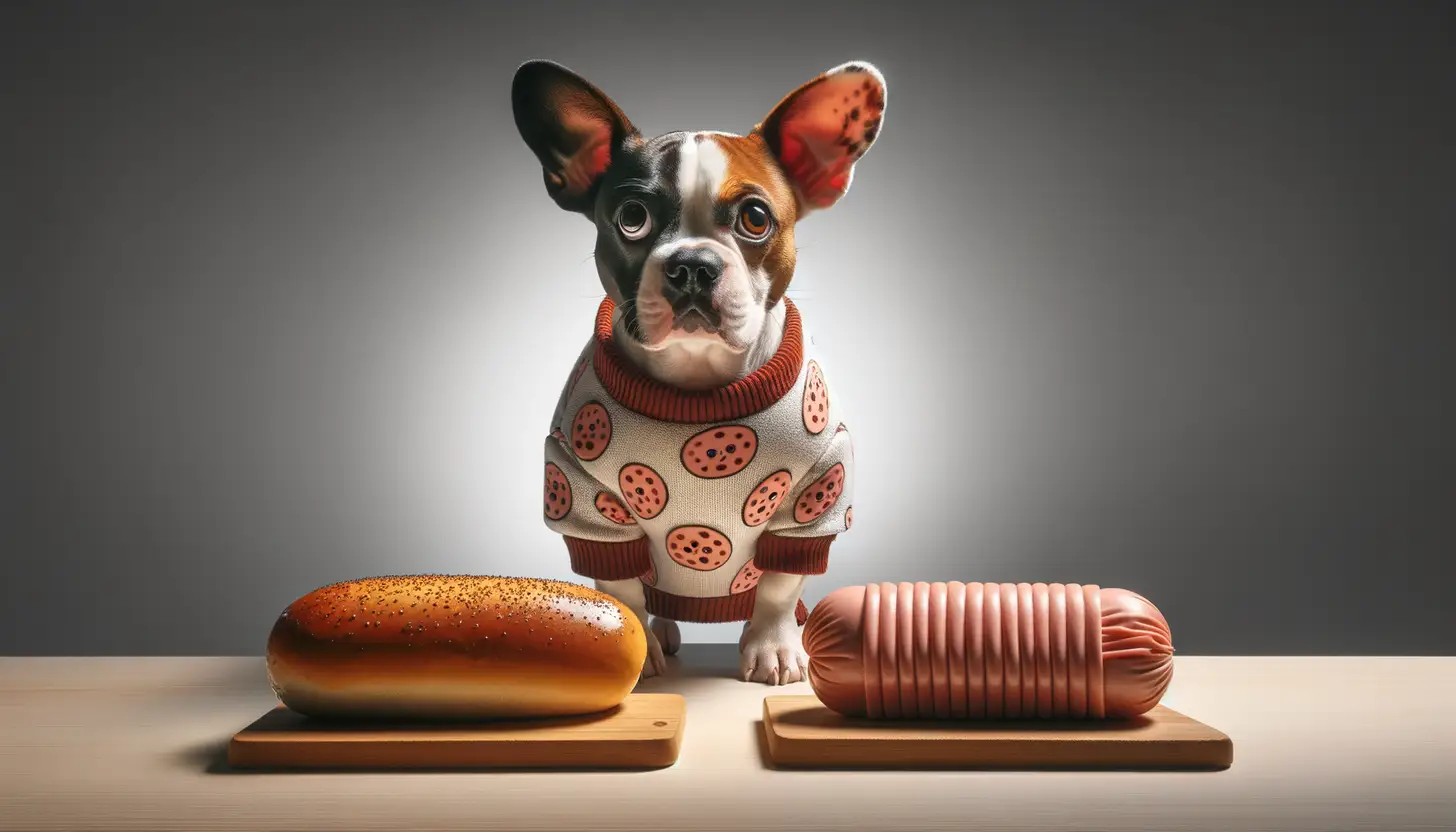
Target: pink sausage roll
column 988, row 651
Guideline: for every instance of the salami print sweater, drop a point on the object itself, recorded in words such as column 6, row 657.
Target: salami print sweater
column 698, row 492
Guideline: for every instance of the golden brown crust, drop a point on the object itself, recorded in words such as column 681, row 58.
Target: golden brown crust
column 454, row 646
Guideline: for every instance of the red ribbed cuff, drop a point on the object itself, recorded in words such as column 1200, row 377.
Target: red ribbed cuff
column 609, row 561
column 794, row 555
column 719, row 610
column 714, row 610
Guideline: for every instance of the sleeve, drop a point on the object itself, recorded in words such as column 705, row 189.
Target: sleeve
column 602, row 537
column 797, row 537
column 558, row 416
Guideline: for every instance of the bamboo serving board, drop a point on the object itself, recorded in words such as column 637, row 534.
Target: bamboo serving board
column 802, row 733
column 644, row 732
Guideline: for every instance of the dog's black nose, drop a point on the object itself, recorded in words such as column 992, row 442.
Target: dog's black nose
column 693, row 271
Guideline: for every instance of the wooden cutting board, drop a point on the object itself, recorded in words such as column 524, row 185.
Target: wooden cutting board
column 644, row 732
column 802, row 733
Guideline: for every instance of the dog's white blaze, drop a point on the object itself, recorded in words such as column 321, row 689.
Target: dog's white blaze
column 712, row 167
column 687, row 165
column 701, row 169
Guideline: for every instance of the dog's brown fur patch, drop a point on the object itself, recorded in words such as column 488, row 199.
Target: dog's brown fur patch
column 752, row 169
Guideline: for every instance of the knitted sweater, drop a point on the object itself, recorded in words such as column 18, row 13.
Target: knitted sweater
column 698, row 492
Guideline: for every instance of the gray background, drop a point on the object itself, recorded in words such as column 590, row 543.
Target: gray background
column 1146, row 295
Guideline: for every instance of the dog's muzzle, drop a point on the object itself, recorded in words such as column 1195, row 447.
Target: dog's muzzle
column 689, row 275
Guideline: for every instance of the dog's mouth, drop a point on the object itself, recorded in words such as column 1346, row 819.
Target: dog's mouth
column 694, row 321
column 696, row 317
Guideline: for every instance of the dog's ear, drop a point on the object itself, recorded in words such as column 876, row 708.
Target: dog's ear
column 820, row 130
column 571, row 126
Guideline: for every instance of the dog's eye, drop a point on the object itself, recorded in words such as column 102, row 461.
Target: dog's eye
column 633, row 220
column 754, row 220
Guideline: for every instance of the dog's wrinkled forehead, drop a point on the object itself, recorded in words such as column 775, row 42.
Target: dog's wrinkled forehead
column 697, row 178
column 693, row 185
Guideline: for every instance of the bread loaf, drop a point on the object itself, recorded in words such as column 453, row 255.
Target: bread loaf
column 454, row 647
column 987, row 651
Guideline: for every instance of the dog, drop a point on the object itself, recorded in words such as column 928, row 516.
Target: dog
column 698, row 466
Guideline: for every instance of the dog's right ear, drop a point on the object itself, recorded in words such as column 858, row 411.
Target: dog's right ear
column 571, row 126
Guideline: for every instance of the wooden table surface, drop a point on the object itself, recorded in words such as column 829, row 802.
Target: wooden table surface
column 1319, row 744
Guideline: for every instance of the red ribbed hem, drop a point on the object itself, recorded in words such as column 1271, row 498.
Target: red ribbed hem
column 794, row 555
column 609, row 561
column 649, row 397
column 715, row 610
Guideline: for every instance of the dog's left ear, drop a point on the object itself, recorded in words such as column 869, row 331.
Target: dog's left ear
column 820, row 130
column 573, row 128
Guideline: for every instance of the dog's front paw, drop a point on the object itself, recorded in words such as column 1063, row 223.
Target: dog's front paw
column 669, row 635
column 656, row 663
column 773, row 655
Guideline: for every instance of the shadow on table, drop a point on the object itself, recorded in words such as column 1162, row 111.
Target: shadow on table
column 694, row 667
column 212, row 758
column 209, row 757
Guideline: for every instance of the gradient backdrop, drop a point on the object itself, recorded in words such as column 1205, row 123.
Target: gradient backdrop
column 1154, row 295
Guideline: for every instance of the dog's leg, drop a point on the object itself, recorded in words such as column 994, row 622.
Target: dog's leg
column 668, row 634
column 630, row 593
column 770, row 649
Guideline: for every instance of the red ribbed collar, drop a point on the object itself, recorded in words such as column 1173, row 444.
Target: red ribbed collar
column 650, row 397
